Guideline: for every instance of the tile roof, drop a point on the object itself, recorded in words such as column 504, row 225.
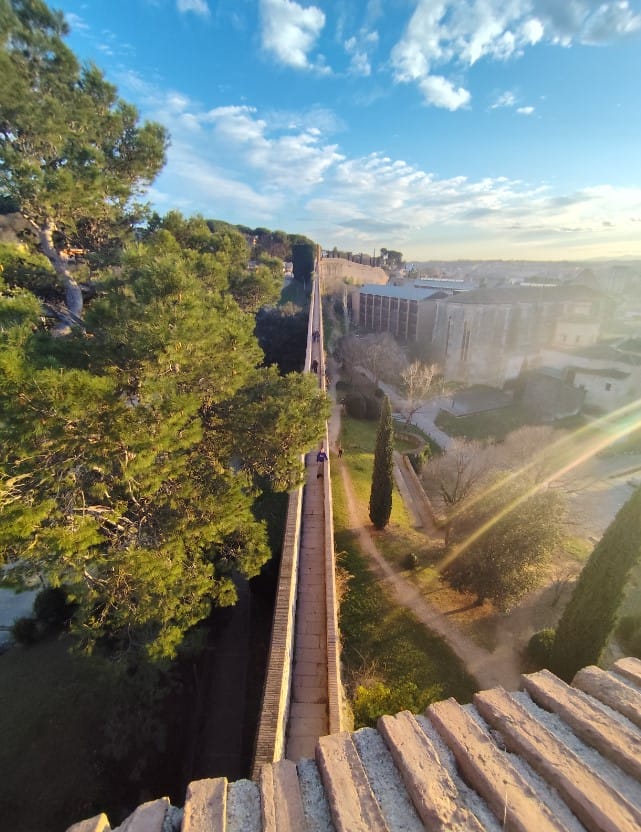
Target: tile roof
column 551, row 757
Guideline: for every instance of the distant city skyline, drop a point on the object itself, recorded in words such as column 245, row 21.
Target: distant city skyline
column 446, row 129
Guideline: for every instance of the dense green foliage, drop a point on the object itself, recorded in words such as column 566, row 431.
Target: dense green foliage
column 72, row 154
column 130, row 459
column 539, row 647
column 380, row 501
column 303, row 257
column 135, row 441
column 504, row 540
column 590, row 616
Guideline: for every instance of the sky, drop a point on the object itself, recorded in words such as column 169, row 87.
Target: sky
column 444, row 129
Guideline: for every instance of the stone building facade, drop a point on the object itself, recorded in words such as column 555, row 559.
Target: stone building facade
column 405, row 311
column 489, row 336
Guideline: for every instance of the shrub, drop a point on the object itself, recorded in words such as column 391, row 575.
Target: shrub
column 372, row 407
column 25, row 630
column 539, row 646
column 372, row 702
column 356, row 406
column 419, row 458
column 629, row 634
column 411, row 561
column 51, row 607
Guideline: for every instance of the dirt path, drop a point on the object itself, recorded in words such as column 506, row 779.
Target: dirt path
column 499, row 667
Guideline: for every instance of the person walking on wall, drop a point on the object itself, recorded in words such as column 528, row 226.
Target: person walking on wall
column 321, row 459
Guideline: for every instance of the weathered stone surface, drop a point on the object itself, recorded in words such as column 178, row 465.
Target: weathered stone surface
column 489, row 771
column 610, row 690
column 206, row 806
column 352, row 803
column 99, row 823
column 588, row 721
column 280, row 798
column 147, row 818
column 629, row 668
column 597, row 805
column 243, row 807
column 429, row 785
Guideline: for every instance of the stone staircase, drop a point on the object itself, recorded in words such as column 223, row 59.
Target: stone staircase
column 551, row 757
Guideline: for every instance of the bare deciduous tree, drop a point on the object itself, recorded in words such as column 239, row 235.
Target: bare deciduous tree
column 417, row 382
column 451, row 478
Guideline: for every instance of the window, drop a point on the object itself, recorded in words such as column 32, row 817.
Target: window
column 447, row 336
column 465, row 343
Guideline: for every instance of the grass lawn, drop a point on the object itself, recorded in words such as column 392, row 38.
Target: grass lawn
column 386, row 651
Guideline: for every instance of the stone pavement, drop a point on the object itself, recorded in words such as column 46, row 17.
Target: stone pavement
column 308, row 717
column 309, row 711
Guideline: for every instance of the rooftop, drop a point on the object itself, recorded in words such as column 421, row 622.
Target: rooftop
column 527, row 294
column 400, row 292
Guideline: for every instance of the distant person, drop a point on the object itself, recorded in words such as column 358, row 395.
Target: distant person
column 340, row 450
column 314, row 366
column 321, row 459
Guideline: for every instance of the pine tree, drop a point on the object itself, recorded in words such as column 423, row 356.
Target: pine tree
column 380, row 501
column 72, row 154
column 590, row 615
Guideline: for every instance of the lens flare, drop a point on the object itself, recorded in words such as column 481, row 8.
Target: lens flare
column 566, row 453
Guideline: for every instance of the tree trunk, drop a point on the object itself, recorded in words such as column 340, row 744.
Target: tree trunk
column 60, row 262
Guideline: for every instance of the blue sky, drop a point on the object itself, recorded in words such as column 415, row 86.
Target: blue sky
column 446, row 129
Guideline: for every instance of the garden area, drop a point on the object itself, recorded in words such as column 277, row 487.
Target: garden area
column 391, row 660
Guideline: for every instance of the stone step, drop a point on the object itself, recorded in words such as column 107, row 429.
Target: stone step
column 280, row 798
column 315, row 803
column 430, row 787
column 590, row 722
column 149, row 817
column 352, row 803
column 386, row 782
column 630, row 669
column 206, row 806
column 490, row 772
column 597, row 805
column 613, row 692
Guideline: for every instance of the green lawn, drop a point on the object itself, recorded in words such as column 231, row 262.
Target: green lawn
column 391, row 661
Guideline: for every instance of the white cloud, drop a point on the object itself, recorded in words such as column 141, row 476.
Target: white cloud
column 509, row 99
column 290, row 31
column 454, row 35
column 358, row 48
column 197, row 6
column 442, row 93
column 505, row 99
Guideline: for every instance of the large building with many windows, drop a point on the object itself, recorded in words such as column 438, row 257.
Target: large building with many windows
column 489, row 336
column 405, row 311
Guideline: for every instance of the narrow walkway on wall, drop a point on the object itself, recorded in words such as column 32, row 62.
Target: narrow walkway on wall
column 309, row 712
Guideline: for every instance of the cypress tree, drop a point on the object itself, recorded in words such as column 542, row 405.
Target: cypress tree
column 590, row 616
column 380, row 501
